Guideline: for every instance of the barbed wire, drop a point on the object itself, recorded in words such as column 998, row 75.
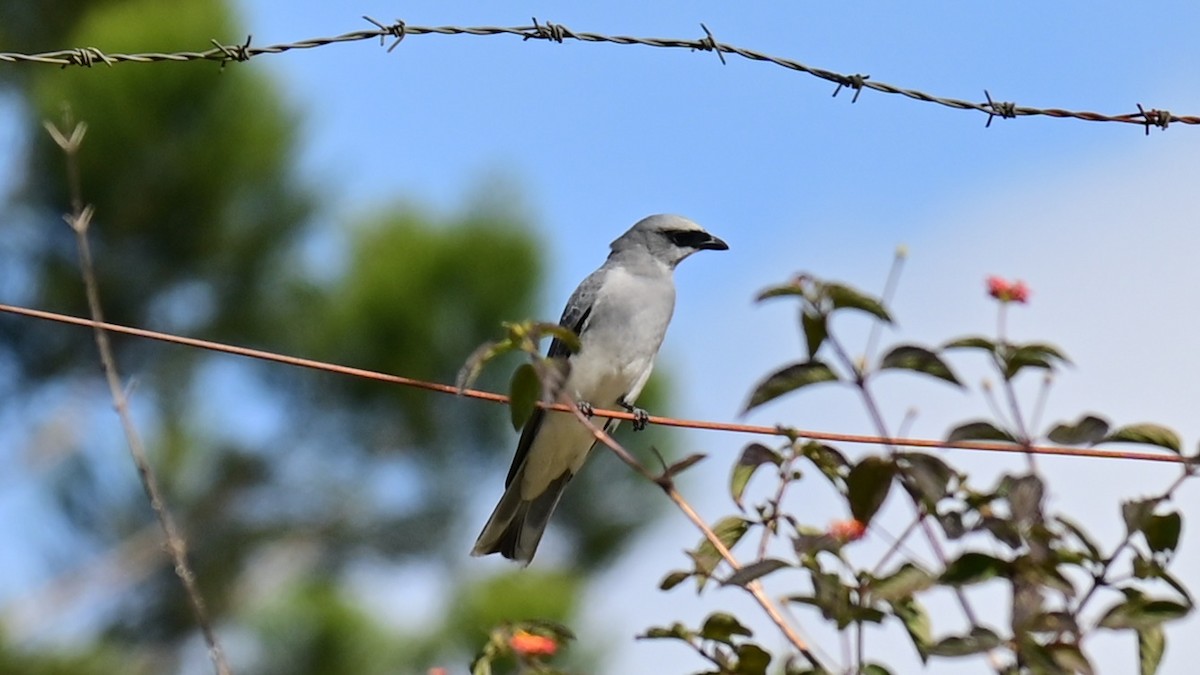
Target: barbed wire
column 983, row 446
column 399, row 30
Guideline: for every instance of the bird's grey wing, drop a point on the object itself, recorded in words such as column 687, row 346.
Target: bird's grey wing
column 578, row 310
column 575, row 316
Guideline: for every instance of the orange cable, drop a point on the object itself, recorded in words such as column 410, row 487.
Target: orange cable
column 616, row 414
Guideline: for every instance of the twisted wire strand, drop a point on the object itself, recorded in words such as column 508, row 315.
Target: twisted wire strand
column 399, row 30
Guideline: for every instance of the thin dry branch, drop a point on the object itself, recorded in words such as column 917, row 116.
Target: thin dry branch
column 80, row 220
column 665, row 482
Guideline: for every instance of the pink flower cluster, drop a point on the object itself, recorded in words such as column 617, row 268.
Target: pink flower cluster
column 1007, row 291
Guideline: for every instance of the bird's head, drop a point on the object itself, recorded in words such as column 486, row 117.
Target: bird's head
column 667, row 238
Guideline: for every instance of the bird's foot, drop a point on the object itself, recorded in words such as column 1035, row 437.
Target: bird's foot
column 586, row 408
column 640, row 417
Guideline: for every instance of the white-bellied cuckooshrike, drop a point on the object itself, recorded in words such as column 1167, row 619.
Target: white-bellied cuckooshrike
column 620, row 313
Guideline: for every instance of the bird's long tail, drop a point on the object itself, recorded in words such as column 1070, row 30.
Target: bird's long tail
column 517, row 525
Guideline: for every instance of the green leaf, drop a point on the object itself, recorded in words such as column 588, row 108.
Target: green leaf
column 752, row 457
column 789, row 379
column 860, row 614
column 918, row 359
column 809, row 543
column 929, row 476
column 554, row 629
column 1162, row 531
column 832, row 464
column 1025, row 497
column 729, row 531
column 832, row 597
column 875, row 669
column 478, row 358
column 868, row 485
column 844, row 297
column 1139, row 613
column 482, row 664
column 1152, row 642
column 1152, row 568
column 1137, row 513
column 978, row 641
column 1005, row 530
column 902, row 583
column 792, row 288
column 1053, row 622
column 972, row 342
column 1148, row 434
column 1082, row 536
column 673, row 579
column 916, row 621
column 1032, row 355
column 1070, row 658
column 752, row 659
column 524, row 391
column 682, row 465
column 676, row 631
column 979, row 431
column 1089, row 430
column 1179, row 588
column 721, row 627
column 972, row 568
column 558, row 332
column 755, row 570
column 816, row 329
column 1034, row 656
column 952, row 524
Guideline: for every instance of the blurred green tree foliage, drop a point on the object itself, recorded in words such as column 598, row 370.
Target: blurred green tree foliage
column 291, row 485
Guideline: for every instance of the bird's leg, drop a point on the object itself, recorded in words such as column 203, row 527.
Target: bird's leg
column 640, row 417
column 586, row 408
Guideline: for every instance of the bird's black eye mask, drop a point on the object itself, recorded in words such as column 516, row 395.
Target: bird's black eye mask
column 689, row 238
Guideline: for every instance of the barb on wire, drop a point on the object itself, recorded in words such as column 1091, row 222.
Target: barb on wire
column 1006, row 110
column 855, row 82
column 86, row 56
column 237, row 53
column 80, row 219
column 981, row 446
column 1154, row 117
column 709, row 43
column 399, row 30
column 396, row 30
column 549, row 31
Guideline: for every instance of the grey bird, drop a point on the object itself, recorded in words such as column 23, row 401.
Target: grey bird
column 620, row 313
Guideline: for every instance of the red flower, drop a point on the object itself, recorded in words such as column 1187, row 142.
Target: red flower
column 1005, row 291
column 847, row 530
column 528, row 644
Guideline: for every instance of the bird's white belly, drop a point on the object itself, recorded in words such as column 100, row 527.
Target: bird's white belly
column 562, row 442
column 617, row 351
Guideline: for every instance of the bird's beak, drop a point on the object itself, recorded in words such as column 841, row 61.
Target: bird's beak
column 713, row 244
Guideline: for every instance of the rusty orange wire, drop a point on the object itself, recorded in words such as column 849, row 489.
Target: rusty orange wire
column 1145, row 456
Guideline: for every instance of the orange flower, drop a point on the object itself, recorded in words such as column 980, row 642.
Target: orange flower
column 528, row 644
column 847, row 530
column 1005, row 291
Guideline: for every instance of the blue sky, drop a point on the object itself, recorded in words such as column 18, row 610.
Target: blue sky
column 1098, row 218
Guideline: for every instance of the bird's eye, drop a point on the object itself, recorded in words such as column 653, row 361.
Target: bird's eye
column 688, row 238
